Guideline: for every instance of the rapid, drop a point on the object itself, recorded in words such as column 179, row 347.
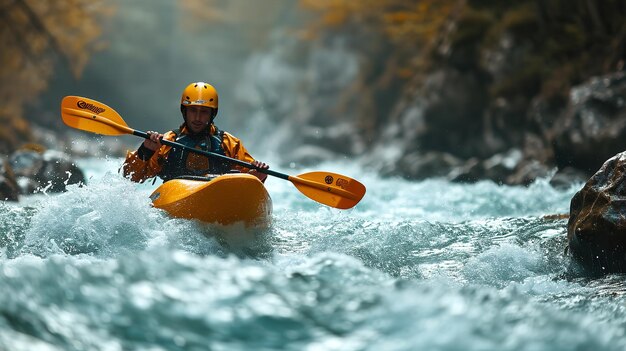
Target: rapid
column 428, row 265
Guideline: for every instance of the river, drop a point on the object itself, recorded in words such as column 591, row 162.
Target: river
column 428, row 265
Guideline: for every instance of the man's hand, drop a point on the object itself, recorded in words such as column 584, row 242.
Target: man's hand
column 154, row 143
column 262, row 165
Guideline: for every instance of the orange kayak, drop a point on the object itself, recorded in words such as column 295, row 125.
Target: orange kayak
column 224, row 199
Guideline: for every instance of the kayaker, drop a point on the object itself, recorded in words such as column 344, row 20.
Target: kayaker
column 198, row 105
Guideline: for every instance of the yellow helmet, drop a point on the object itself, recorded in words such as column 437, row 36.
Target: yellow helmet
column 199, row 94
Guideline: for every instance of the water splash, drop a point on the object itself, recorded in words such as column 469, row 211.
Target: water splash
column 434, row 264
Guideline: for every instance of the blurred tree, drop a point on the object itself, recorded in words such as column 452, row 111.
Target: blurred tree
column 35, row 36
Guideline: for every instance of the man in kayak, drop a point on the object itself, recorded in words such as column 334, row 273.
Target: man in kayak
column 198, row 104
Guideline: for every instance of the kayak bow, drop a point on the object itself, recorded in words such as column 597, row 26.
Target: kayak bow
column 226, row 199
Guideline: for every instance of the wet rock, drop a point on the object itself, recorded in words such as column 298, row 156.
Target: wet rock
column 50, row 171
column 59, row 171
column 9, row 191
column 596, row 230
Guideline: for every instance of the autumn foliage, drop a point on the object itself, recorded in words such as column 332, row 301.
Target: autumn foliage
column 559, row 34
column 35, row 37
column 514, row 50
column 405, row 28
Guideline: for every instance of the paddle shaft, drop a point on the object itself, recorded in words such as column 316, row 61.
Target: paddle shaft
column 284, row 176
column 214, row 155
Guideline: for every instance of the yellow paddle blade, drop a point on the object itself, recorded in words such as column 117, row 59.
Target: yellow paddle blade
column 92, row 116
column 331, row 189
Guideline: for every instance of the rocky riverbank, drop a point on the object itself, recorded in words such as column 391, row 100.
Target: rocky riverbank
column 443, row 128
column 566, row 143
column 41, row 166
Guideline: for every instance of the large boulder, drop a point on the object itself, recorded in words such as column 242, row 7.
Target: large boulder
column 596, row 231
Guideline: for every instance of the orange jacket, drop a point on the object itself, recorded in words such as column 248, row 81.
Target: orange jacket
column 138, row 169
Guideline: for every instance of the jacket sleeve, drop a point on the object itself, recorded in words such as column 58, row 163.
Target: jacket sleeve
column 233, row 147
column 143, row 163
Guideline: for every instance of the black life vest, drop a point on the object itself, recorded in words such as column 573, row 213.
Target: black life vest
column 179, row 163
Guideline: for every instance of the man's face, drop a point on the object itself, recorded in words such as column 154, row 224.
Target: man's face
column 198, row 117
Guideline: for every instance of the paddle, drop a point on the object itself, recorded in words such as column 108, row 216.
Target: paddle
column 331, row 189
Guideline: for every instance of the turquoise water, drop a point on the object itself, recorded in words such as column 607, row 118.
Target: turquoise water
column 425, row 265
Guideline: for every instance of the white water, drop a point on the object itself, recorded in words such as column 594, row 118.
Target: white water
column 416, row 265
